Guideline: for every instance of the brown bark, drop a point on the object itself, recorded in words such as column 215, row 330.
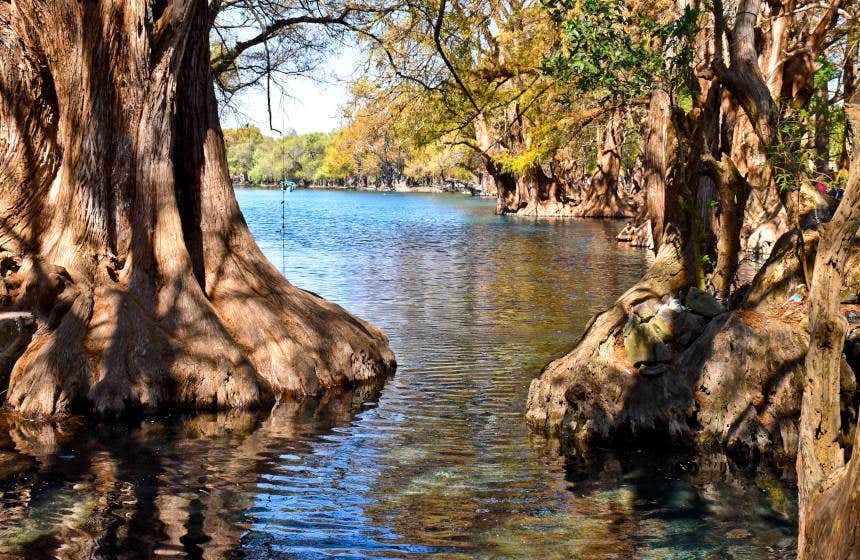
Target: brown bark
column 577, row 395
column 849, row 87
column 744, row 79
column 734, row 191
column 600, row 199
column 832, row 516
column 509, row 198
column 822, row 132
column 825, row 486
column 655, row 151
column 531, row 193
column 147, row 287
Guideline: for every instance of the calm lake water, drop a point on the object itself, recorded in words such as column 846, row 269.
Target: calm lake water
column 437, row 461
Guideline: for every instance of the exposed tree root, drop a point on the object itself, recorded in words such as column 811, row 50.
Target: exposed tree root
column 581, row 395
column 737, row 385
column 129, row 248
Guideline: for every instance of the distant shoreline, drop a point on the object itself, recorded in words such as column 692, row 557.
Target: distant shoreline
column 462, row 188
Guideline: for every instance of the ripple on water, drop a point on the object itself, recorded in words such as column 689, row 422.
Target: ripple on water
column 438, row 462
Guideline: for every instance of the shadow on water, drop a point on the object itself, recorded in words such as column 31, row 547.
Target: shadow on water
column 437, row 463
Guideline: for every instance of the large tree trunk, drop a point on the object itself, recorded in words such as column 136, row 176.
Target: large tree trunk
column 656, row 149
column 581, row 396
column 734, row 191
column 601, row 199
column 509, row 197
column 146, row 284
column 829, row 492
column 849, row 86
column 822, row 131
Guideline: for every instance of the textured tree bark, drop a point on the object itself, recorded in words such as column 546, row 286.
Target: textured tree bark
column 530, row 193
column 147, row 286
column 600, row 199
column 734, row 191
column 745, row 79
column 655, row 151
column 822, row 133
column 849, row 87
column 831, row 518
column 829, row 495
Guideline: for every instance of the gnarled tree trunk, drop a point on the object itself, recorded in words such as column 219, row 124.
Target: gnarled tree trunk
column 601, row 199
column 734, row 191
column 849, row 86
column 829, row 491
column 147, row 286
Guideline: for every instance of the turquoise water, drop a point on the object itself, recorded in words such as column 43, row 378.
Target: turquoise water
column 437, row 462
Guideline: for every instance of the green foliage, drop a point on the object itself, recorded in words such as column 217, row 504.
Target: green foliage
column 788, row 156
column 610, row 48
column 242, row 145
column 265, row 160
column 793, row 154
column 368, row 147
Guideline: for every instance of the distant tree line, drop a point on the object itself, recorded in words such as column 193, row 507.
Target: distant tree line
column 366, row 152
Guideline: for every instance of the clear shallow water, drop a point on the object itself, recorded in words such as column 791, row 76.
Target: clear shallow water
column 437, row 462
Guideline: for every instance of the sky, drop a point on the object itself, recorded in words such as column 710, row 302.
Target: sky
column 311, row 105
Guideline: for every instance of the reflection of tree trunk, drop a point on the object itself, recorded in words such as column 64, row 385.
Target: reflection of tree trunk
column 147, row 285
column 829, row 501
column 600, row 198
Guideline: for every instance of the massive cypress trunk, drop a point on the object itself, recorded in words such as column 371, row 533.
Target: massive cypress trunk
column 829, row 491
column 601, row 199
column 146, row 284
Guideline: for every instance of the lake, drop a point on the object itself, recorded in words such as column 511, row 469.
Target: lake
column 435, row 462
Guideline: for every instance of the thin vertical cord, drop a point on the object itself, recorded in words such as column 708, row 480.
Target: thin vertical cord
column 283, row 195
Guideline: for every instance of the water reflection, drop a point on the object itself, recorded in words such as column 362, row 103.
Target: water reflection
column 183, row 486
column 438, row 462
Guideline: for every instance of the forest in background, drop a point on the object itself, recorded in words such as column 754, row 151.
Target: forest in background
column 544, row 105
column 357, row 157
